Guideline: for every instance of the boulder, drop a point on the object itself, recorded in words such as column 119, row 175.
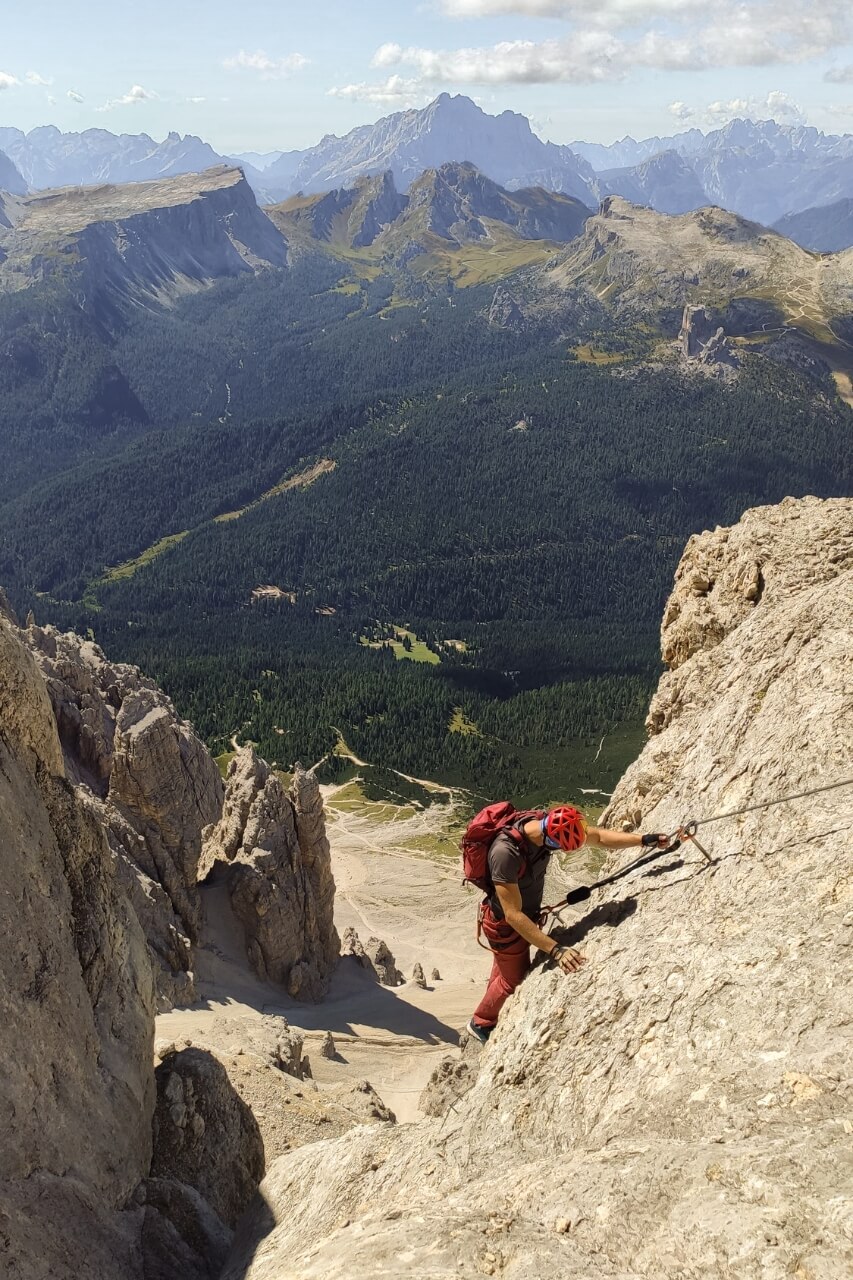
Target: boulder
column 279, row 876
column 418, row 976
column 204, row 1134
column 327, row 1048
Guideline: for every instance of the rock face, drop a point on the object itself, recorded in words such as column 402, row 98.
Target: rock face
column 681, row 1107
column 449, row 129
column 451, row 1079
column 701, row 339
column 279, row 874
column 76, row 1005
column 139, row 242
column 153, row 784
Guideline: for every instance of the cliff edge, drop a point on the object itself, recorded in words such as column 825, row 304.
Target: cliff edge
column 683, row 1106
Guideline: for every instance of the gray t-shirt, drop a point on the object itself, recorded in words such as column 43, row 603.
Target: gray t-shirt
column 524, row 865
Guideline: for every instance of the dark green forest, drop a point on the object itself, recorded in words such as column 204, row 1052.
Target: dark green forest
column 516, row 511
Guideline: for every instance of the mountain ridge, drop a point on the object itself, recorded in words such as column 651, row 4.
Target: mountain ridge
column 455, row 203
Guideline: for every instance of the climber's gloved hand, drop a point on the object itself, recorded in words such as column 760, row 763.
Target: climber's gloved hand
column 654, row 840
column 568, row 958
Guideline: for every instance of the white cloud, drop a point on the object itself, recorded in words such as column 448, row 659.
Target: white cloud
column 395, row 91
column 778, row 106
column 196, row 100
column 136, row 94
column 33, row 77
column 75, row 96
column 606, row 39
column 269, row 68
column 7, row 81
column 612, row 12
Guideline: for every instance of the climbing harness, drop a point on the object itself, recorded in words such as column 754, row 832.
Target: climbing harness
column 686, row 832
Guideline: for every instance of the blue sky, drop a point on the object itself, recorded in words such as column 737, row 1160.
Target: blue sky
column 260, row 76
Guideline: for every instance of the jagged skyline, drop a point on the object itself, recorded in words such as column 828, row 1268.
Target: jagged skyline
column 261, row 78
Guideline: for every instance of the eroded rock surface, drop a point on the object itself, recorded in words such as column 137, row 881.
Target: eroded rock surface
column 76, row 1007
column 373, row 955
column 279, row 874
column 154, row 784
column 681, row 1107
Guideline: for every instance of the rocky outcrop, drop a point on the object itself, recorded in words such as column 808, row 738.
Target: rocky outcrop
column 152, row 782
column 204, row 1134
column 76, row 1005
column 505, row 312
column 723, row 576
column 373, row 955
column 270, row 1039
column 273, row 845
column 702, row 339
column 681, row 1106
column 451, row 1079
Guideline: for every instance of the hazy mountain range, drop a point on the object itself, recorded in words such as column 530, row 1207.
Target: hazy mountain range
column 764, row 171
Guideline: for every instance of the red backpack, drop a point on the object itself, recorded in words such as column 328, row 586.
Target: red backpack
column 482, row 830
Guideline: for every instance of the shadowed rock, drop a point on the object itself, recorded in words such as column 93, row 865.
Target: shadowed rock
column 204, row 1134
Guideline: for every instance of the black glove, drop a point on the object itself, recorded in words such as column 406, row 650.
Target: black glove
column 654, row 838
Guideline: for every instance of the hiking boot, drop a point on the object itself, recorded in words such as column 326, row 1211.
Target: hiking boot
column 479, row 1033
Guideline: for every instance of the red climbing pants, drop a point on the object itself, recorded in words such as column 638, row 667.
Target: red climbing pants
column 510, row 962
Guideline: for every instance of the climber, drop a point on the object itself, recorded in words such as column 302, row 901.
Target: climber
column 510, row 915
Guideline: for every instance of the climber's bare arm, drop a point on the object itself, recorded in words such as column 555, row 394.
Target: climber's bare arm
column 509, row 897
column 608, row 839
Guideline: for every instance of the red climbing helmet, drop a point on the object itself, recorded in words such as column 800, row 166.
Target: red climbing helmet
column 564, row 828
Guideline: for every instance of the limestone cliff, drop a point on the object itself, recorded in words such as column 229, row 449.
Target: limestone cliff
column 141, row 242
column 683, row 1106
column 76, row 1006
column 153, row 784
